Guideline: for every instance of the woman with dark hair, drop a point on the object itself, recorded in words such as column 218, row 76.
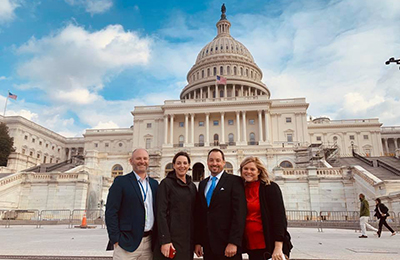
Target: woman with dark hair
column 176, row 199
column 382, row 212
column 266, row 234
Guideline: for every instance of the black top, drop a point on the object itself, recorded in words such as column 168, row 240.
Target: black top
column 175, row 216
column 382, row 207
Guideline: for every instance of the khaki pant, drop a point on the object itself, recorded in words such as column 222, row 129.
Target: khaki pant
column 143, row 252
column 364, row 224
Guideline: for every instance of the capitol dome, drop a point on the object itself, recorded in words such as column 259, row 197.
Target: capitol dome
column 229, row 59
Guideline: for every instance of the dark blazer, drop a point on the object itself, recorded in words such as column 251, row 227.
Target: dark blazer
column 273, row 217
column 383, row 209
column 125, row 213
column 223, row 222
column 176, row 202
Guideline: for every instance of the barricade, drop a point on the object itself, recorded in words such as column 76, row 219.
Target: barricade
column 93, row 217
column 23, row 217
column 303, row 218
column 340, row 219
column 4, row 218
column 55, row 217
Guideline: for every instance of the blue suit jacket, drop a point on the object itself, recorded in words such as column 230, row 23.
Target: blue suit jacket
column 125, row 213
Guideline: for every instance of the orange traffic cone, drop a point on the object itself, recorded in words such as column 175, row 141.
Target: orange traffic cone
column 84, row 221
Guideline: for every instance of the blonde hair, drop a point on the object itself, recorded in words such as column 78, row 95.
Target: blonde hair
column 261, row 168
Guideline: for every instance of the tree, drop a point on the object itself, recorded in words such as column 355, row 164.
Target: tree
column 6, row 144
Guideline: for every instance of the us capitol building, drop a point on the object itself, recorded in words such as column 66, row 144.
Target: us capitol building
column 320, row 164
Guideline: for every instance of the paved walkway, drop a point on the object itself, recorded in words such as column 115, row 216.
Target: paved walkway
column 308, row 243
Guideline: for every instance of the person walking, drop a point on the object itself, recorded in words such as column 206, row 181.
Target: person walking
column 364, row 216
column 266, row 235
column 382, row 212
column 130, row 208
column 176, row 201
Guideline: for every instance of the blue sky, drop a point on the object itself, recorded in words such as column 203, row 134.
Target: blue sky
column 78, row 64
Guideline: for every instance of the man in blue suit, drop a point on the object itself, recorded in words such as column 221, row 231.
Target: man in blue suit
column 130, row 211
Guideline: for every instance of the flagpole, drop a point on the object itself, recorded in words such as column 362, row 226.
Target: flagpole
column 5, row 107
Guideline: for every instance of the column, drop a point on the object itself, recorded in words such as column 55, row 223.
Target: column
column 260, row 128
column 237, row 126
column 69, row 153
column 171, row 141
column 225, row 92
column 222, row 127
column 165, row 129
column 395, row 144
column 207, row 137
column 241, row 91
column 217, row 91
column 192, row 126
column 386, row 145
column 244, row 127
column 209, row 92
column 201, row 93
column 233, row 91
column 267, row 124
column 186, row 129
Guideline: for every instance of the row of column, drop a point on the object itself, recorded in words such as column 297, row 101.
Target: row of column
column 243, row 91
column 387, row 144
column 241, row 137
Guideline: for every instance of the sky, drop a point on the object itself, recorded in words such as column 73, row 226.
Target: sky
column 79, row 64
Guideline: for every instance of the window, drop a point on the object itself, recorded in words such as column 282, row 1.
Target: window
column 201, row 140
column 289, row 138
column 251, row 121
column 230, row 122
column 106, row 144
column 228, row 168
column 181, row 140
column 40, row 142
column 216, row 139
column 44, row 159
column 228, row 70
column 51, row 160
column 335, row 138
column 231, row 139
column 181, row 124
column 288, row 120
column 215, row 122
column 26, row 137
column 52, row 148
column 148, row 143
column 215, row 71
column 96, row 145
column 47, row 145
column 365, row 137
column 351, row 137
column 148, row 125
column 38, row 156
column 221, row 93
column 252, row 137
column 30, row 153
column 120, row 144
column 208, row 72
column 234, row 71
column 58, row 150
column 221, row 70
column 201, row 123
column 33, row 140
column 116, row 170
column 286, row 164
column 318, row 138
column 23, row 151
column 169, row 168
column 202, row 73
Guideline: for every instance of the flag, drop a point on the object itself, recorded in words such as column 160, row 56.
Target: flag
column 221, row 80
column 12, row 96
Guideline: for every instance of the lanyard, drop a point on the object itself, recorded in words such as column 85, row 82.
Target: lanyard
column 144, row 192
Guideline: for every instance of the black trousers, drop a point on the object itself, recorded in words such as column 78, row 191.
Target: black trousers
column 382, row 222
column 210, row 255
column 259, row 254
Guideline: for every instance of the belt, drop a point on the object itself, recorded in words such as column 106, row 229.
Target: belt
column 147, row 233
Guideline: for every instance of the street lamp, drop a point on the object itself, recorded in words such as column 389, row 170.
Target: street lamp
column 352, row 147
column 393, row 60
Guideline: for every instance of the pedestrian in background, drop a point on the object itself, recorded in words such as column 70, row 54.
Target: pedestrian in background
column 364, row 216
column 382, row 212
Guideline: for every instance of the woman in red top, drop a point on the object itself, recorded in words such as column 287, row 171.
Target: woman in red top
column 266, row 233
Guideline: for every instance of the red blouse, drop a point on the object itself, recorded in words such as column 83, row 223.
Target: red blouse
column 254, row 229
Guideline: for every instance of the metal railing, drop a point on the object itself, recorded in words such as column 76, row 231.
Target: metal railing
column 93, row 217
column 388, row 167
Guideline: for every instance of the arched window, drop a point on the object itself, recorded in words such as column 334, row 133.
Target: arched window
column 247, row 72
column 216, row 140
column 201, row 140
column 202, row 74
column 181, row 140
column 286, row 164
column 228, row 70
column 252, row 138
column 215, row 71
column 231, row 139
column 251, row 74
column 234, row 71
column 221, row 70
column 169, row 168
column 198, row 75
column 228, row 168
column 116, row 170
column 241, row 71
column 198, row 172
column 208, row 72
column 221, row 93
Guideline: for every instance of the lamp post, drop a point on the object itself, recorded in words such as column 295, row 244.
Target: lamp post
column 352, row 148
column 393, row 60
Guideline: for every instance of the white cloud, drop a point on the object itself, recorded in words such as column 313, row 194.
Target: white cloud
column 105, row 125
column 73, row 64
column 7, row 8
column 3, row 78
column 92, row 6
